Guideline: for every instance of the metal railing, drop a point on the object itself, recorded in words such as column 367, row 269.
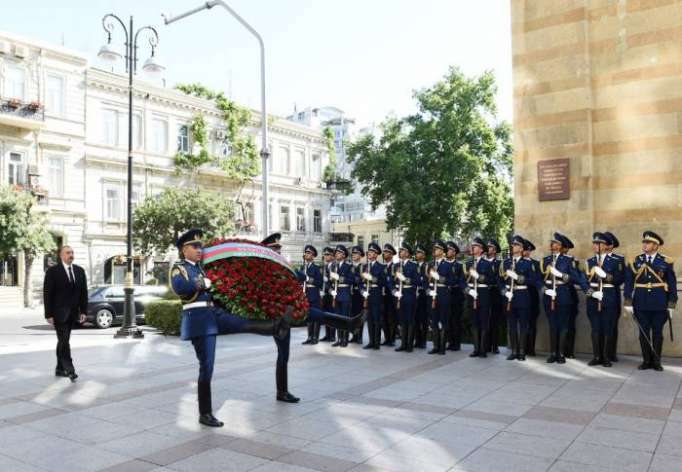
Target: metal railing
column 31, row 110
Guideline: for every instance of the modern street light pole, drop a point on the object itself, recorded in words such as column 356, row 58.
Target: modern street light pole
column 108, row 53
column 264, row 153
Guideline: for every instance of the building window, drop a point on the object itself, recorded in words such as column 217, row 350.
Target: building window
column 317, row 221
column 137, row 195
column 159, row 136
column 54, row 94
column 110, row 127
column 300, row 219
column 137, row 131
column 284, row 164
column 248, row 213
column 183, row 139
column 15, row 82
column 299, row 164
column 375, row 238
column 113, row 203
column 361, row 241
column 317, row 167
column 55, row 175
column 16, row 169
column 284, row 223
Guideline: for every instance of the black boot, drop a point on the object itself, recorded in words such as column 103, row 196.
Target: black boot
column 403, row 338
column 552, row 348
column 205, row 405
column 513, row 344
column 316, row 333
column 606, row 351
column 530, row 345
column 442, row 342
column 410, row 337
column 596, row 352
column 561, row 359
column 521, row 353
column 656, row 358
column 377, row 337
column 278, row 328
column 475, row 340
column 370, row 335
column 328, row 335
column 310, row 334
column 282, row 381
column 646, row 356
column 339, row 339
column 483, row 343
column 435, row 334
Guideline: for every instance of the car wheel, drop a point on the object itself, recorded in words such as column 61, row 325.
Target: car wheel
column 104, row 318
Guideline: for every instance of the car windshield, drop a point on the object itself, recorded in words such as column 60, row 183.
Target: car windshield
column 95, row 291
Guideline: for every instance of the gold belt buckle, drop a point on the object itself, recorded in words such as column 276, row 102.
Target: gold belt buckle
column 648, row 285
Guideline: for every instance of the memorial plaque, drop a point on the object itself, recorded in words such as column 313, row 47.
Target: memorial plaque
column 553, row 180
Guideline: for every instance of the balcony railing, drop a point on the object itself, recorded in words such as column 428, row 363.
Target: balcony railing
column 341, row 237
column 15, row 111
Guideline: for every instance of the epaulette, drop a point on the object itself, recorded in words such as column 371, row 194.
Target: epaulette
column 668, row 260
column 179, row 269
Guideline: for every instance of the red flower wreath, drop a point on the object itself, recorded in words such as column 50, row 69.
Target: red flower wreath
column 254, row 288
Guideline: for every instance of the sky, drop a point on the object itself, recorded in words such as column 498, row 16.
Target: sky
column 363, row 56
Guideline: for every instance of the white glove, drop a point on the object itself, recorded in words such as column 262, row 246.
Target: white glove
column 473, row 273
column 207, row 283
column 509, row 295
column 598, row 295
column 322, row 293
column 325, row 279
column 550, row 292
column 629, row 310
column 365, row 294
column 332, row 293
column 307, row 279
column 334, row 276
column 398, row 294
column 367, row 276
column 512, row 275
column 600, row 272
column 401, row 277
column 432, row 293
column 434, row 275
column 670, row 312
column 473, row 293
column 556, row 273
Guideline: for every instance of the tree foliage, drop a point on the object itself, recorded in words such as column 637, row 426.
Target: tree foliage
column 445, row 170
column 23, row 230
column 160, row 219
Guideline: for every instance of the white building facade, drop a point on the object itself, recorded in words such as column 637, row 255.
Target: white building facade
column 72, row 153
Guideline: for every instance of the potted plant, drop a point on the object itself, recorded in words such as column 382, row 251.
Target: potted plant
column 35, row 105
column 14, row 103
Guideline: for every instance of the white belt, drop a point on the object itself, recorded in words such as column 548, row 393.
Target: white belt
column 189, row 306
column 549, row 282
column 603, row 285
column 518, row 287
column 478, row 286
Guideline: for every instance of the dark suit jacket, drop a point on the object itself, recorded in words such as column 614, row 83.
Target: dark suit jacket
column 65, row 301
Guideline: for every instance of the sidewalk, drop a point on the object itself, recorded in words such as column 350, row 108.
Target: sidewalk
column 134, row 409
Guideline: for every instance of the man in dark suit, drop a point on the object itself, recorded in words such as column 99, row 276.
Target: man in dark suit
column 65, row 293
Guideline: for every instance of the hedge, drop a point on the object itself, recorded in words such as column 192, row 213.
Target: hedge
column 164, row 315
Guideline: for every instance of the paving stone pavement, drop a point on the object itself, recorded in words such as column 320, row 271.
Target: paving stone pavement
column 134, row 410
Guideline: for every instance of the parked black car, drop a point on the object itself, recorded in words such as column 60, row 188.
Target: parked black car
column 105, row 303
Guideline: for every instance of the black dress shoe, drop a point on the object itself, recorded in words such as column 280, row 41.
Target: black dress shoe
column 551, row 359
column 511, row 357
column 607, row 363
column 594, row 361
column 473, row 354
column 73, row 376
column 643, row 366
column 287, row 397
column 207, row 419
column 658, row 367
column 521, row 357
column 307, row 341
column 561, row 360
column 61, row 373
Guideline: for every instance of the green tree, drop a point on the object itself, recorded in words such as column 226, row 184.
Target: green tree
column 23, row 230
column 445, row 170
column 160, row 219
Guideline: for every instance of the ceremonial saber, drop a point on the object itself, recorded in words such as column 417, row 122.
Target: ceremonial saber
column 648, row 339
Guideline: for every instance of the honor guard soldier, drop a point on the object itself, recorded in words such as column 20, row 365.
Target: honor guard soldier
column 372, row 281
column 311, row 278
column 479, row 273
column 421, row 322
column 453, row 333
column 569, row 347
column 534, row 295
column 357, row 301
column 202, row 321
column 651, row 293
column 612, row 244
column 559, row 273
column 604, row 274
column 389, row 314
column 440, row 283
column 327, row 261
column 518, row 275
column 404, row 287
column 341, row 278
column 496, row 302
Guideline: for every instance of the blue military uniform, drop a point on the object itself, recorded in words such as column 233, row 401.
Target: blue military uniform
column 480, row 306
column 534, row 302
column 651, row 290
column 496, row 300
column 439, row 292
column 613, row 244
column 340, row 289
column 357, row 300
column 311, row 279
column 517, row 297
column 372, row 282
column 421, row 327
column 558, row 307
column 406, row 294
column 602, row 312
column 388, row 315
column 454, row 330
column 329, row 332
